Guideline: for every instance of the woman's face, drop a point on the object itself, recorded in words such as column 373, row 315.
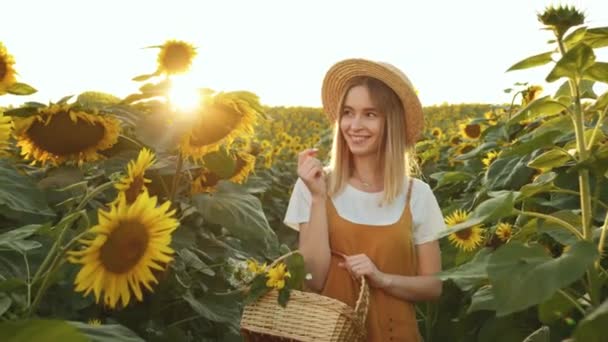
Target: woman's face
column 360, row 122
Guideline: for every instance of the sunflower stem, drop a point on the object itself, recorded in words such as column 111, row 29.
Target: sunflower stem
column 103, row 187
column 574, row 302
column 583, row 175
column 51, row 258
column 178, row 171
column 556, row 220
column 29, row 283
column 596, row 128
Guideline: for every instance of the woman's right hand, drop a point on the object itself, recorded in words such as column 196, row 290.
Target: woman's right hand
column 310, row 169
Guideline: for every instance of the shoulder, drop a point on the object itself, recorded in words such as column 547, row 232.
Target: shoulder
column 419, row 187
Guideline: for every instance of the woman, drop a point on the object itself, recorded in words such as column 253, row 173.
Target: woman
column 364, row 215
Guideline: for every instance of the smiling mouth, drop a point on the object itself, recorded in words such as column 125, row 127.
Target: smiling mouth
column 358, row 139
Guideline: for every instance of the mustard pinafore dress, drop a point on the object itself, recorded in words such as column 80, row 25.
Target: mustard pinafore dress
column 392, row 250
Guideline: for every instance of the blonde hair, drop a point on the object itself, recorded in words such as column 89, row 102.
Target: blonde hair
column 397, row 158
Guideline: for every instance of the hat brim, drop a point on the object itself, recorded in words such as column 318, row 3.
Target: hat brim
column 337, row 79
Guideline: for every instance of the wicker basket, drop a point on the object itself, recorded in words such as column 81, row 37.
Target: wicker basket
column 307, row 317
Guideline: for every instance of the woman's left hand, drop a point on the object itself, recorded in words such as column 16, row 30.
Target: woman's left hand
column 361, row 265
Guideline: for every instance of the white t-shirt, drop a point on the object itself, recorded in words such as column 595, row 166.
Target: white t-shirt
column 363, row 207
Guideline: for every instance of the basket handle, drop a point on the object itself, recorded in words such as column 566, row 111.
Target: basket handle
column 362, row 303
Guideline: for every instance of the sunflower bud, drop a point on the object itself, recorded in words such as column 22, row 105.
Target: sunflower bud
column 561, row 18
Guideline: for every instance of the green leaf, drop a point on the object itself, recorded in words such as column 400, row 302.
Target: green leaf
column 596, row 37
column 295, row 266
column 20, row 89
column 483, row 299
column 523, row 276
column 585, row 87
column 496, row 208
column 444, row 178
column 558, row 232
column 530, row 62
column 213, row 308
column 39, row 330
column 467, row 276
column 508, row 172
column 549, row 160
column 106, row 332
column 597, row 72
column 258, row 289
column 241, row 213
column 533, row 142
column 540, row 335
column 193, row 261
column 555, row 308
column 141, row 78
column 5, row 303
column 542, row 106
column 283, row 297
column 220, row 163
column 593, row 327
column 22, row 112
column 573, row 63
column 96, row 99
column 542, row 183
column 573, row 38
column 19, row 195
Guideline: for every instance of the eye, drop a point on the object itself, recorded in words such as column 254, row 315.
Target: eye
column 347, row 112
column 371, row 114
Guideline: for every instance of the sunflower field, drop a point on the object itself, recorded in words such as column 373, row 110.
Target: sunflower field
column 129, row 219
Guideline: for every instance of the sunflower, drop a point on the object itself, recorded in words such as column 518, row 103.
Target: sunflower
column 131, row 240
column 490, row 157
column 6, row 125
column 455, row 141
column 466, row 239
column 504, row 231
column 59, row 134
column 175, row 57
column 490, row 117
column 255, row 267
column 221, row 119
column 437, row 132
column 7, row 71
column 245, row 163
column 207, row 180
column 470, row 130
column 276, row 276
column 134, row 182
column 465, row 148
column 94, row 322
column 530, row 94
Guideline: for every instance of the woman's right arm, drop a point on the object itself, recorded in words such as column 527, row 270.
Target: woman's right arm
column 314, row 236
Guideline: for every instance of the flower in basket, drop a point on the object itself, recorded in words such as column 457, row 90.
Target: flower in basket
column 283, row 275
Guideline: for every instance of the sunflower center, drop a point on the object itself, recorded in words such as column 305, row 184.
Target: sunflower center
column 464, row 234
column 3, row 68
column 62, row 136
column 473, row 131
column 217, row 123
column 134, row 189
column 177, row 58
column 124, row 247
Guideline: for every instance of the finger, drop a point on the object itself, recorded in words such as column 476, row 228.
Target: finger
column 314, row 173
column 306, row 153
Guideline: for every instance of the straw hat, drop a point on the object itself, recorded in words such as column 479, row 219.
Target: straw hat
column 338, row 76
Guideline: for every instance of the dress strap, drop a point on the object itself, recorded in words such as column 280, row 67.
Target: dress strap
column 409, row 191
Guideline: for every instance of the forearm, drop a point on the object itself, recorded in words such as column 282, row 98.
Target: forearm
column 414, row 288
column 314, row 244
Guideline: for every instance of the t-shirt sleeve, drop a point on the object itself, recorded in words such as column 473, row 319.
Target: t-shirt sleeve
column 428, row 219
column 298, row 209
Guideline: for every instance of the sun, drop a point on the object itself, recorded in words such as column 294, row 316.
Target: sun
column 184, row 95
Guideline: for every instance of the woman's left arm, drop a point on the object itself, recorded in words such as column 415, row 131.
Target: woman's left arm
column 422, row 287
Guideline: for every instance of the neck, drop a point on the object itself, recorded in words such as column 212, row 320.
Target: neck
column 367, row 172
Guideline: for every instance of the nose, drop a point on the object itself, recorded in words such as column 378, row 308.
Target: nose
column 356, row 122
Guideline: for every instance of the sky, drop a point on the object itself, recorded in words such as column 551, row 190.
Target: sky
column 453, row 51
